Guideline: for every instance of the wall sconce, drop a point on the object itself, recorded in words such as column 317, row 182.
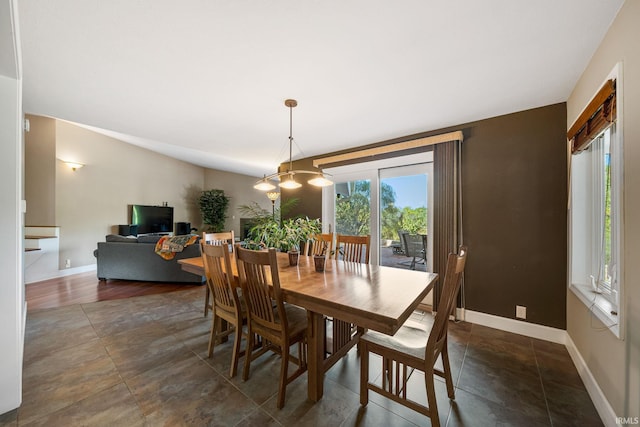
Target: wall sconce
column 73, row 165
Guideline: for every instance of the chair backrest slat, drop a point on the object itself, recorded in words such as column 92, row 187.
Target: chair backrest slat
column 217, row 265
column 414, row 244
column 450, row 288
column 320, row 244
column 258, row 271
column 221, row 238
column 353, row 248
column 403, row 243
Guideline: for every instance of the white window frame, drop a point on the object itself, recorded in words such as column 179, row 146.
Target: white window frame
column 585, row 229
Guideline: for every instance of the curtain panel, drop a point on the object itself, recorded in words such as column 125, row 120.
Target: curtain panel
column 446, row 218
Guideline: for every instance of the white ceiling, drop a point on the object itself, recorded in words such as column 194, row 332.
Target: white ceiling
column 205, row 81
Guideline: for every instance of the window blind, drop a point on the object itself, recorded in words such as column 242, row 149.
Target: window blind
column 597, row 116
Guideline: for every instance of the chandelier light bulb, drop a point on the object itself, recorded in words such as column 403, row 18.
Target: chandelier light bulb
column 263, row 185
column 320, row 181
column 290, row 184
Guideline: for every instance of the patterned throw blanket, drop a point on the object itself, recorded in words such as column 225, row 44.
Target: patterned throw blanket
column 168, row 246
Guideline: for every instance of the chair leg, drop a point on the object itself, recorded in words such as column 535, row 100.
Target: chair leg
column 247, row 356
column 282, row 386
column 431, row 398
column 206, row 301
column 364, row 373
column 212, row 336
column 447, row 373
column 360, row 331
column 236, row 350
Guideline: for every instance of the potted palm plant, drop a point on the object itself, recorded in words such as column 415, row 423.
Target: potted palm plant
column 286, row 235
column 296, row 231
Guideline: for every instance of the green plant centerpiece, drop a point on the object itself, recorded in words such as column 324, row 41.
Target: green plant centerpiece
column 285, row 235
column 213, row 207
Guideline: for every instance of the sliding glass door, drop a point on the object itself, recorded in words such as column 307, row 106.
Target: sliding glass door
column 404, row 216
column 353, row 207
column 381, row 199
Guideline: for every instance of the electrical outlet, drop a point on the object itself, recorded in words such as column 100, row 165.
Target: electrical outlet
column 521, row 312
column 67, row 263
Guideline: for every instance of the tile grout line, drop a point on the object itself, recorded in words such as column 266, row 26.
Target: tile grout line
column 91, row 394
column 455, row 385
column 259, row 407
column 544, row 393
column 124, row 381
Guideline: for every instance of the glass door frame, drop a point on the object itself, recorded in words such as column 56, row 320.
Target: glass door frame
column 366, row 171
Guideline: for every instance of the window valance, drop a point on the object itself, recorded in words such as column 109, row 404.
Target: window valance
column 598, row 115
column 391, row 148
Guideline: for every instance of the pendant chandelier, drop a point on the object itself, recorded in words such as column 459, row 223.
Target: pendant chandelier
column 287, row 178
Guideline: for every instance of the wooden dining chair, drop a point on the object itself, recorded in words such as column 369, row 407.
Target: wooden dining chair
column 221, row 238
column 320, row 244
column 414, row 347
column 352, row 249
column 225, row 300
column 281, row 326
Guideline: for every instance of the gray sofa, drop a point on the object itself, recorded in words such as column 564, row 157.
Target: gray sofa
column 130, row 258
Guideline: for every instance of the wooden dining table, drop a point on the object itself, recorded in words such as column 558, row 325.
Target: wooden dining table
column 370, row 296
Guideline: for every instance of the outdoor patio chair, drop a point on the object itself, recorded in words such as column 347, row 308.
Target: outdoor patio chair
column 415, row 247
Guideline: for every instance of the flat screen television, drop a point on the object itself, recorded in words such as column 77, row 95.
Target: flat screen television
column 152, row 219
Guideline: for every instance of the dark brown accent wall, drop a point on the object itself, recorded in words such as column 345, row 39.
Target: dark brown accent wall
column 514, row 190
column 514, row 196
column 309, row 197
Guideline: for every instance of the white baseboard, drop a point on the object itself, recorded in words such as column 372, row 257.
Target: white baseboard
column 516, row 326
column 606, row 412
column 68, row 272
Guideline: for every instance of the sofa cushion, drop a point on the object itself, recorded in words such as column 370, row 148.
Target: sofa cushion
column 149, row 239
column 119, row 238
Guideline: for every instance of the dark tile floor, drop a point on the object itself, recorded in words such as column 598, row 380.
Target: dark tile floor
column 142, row 362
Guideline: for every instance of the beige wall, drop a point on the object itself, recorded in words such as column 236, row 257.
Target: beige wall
column 93, row 200
column 614, row 363
column 90, row 203
column 240, row 189
column 40, row 167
